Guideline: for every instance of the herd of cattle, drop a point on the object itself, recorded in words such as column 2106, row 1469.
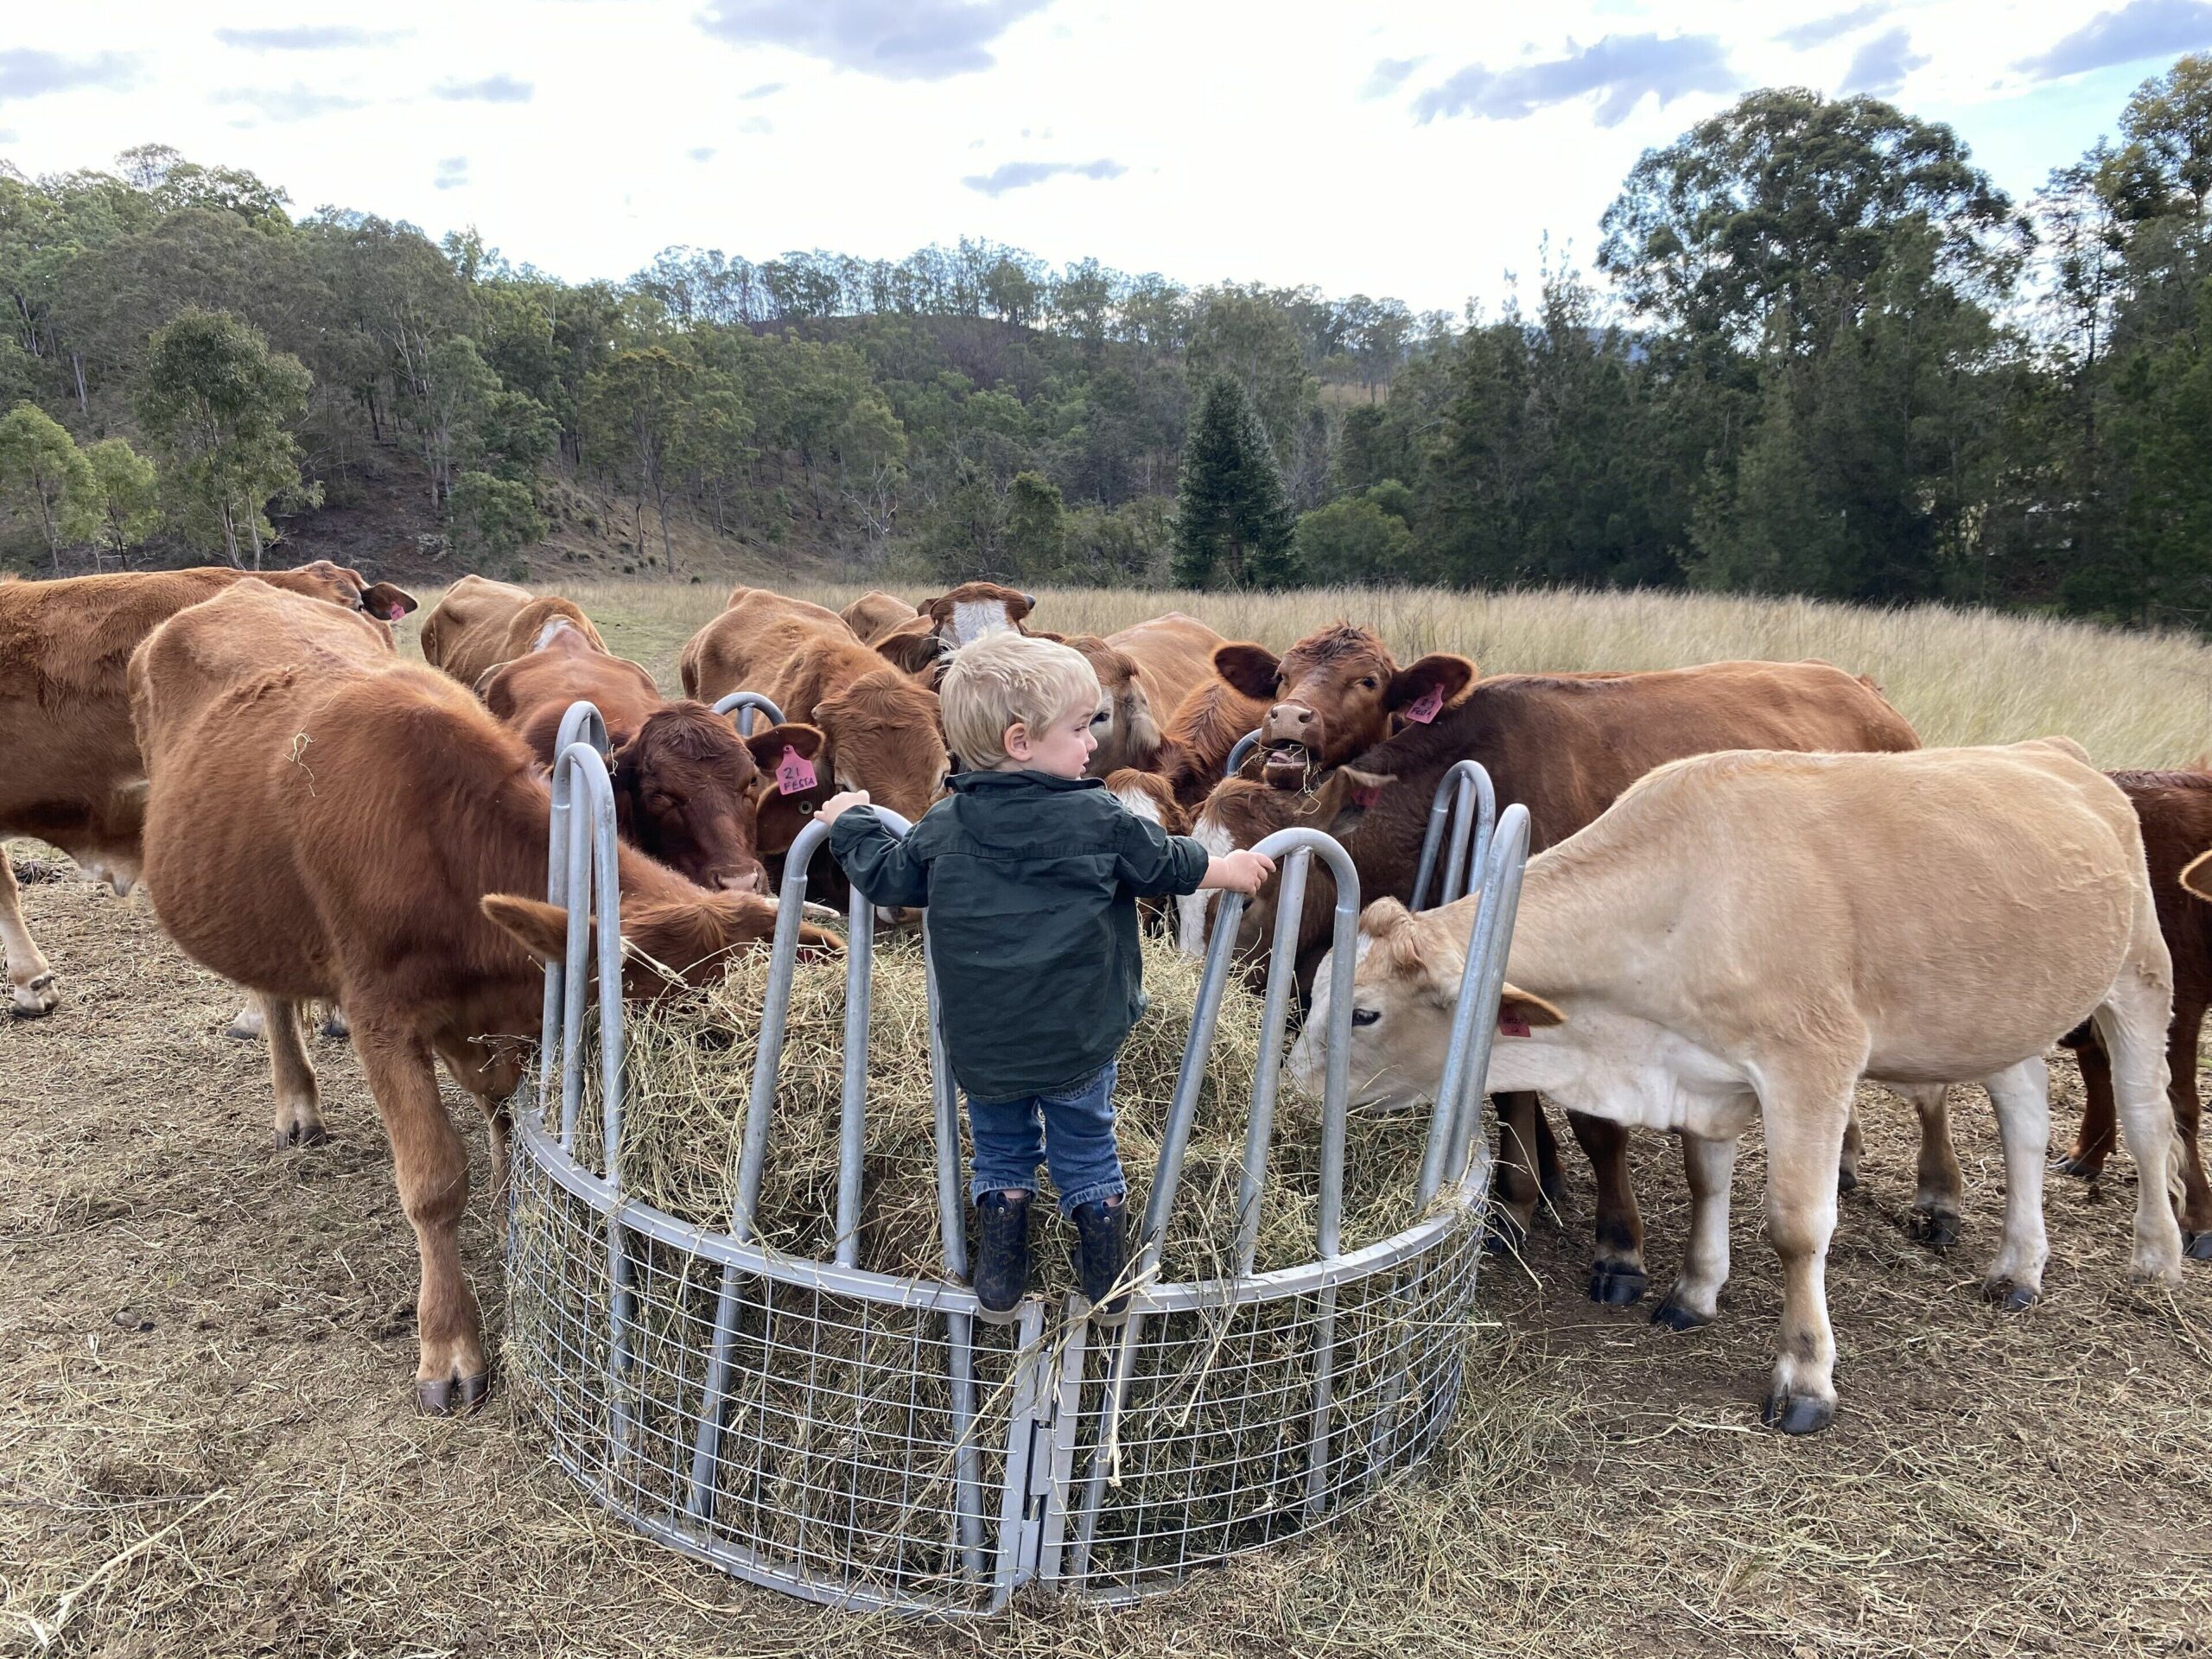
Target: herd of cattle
column 1751, row 889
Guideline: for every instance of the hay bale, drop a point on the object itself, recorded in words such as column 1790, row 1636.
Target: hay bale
column 689, row 1066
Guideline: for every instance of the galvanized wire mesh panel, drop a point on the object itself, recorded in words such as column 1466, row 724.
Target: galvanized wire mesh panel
column 863, row 1438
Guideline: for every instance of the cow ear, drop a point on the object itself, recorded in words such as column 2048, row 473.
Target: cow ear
column 910, row 653
column 2197, row 877
column 383, row 599
column 542, row 929
column 1348, row 790
column 768, row 747
column 1519, row 1012
column 939, row 610
column 1250, row 669
column 483, row 686
column 1440, row 677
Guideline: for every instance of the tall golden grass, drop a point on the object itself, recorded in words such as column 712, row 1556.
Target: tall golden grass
column 2131, row 699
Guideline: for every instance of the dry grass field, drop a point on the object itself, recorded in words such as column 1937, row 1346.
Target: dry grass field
column 207, row 1442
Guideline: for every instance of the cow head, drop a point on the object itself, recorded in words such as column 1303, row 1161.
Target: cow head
column 975, row 608
column 915, row 648
column 678, row 941
column 882, row 734
column 1334, row 694
column 684, row 791
column 342, row 586
column 1128, row 733
column 1404, row 986
column 1151, row 798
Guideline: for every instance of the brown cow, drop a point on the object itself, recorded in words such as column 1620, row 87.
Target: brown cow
column 875, row 613
column 478, row 623
column 69, row 767
column 1566, row 745
column 1146, row 672
column 2174, row 809
column 685, row 781
column 880, row 729
column 1334, row 694
column 975, row 608
column 326, row 820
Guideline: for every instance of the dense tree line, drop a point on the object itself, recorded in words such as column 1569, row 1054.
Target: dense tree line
column 1828, row 357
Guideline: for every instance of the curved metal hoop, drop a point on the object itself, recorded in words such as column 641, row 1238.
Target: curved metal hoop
column 745, row 705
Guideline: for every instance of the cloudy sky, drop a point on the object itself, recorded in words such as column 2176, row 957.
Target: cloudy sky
column 1420, row 150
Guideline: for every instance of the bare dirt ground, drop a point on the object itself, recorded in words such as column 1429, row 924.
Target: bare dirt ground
column 208, row 1441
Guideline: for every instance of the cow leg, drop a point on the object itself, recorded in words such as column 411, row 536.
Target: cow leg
column 430, row 1168
column 298, row 1120
column 1710, row 1166
column 1514, row 1190
column 491, row 1070
column 1617, row 1274
column 2021, row 1095
column 2181, row 1088
column 1935, row 1202
column 31, row 994
column 2134, row 1026
column 2092, row 1141
column 1804, row 1118
column 1551, row 1181
column 1847, row 1172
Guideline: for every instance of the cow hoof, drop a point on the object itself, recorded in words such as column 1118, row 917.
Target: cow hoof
column 2080, row 1167
column 436, row 1396
column 2197, row 1247
column 1677, row 1317
column 1617, row 1286
column 1506, row 1236
column 310, row 1135
column 1937, row 1230
column 1847, row 1179
column 247, row 1026
column 34, row 1000
column 1796, row 1413
column 2012, row 1298
column 1553, row 1187
column 335, row 1027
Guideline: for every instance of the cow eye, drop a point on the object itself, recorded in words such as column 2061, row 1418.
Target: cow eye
column 1369, row 682
column 807, row 809
column 1365, row 1016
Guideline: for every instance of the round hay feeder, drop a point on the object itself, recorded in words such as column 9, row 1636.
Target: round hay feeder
column 864, row 1438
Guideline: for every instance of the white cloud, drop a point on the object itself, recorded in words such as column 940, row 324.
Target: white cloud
column 1620, row 68
column 492, row 89
column 2140, row 30
column 1019, row 175
column 1878, row 68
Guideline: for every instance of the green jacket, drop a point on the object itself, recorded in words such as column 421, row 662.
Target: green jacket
column 1032, row 883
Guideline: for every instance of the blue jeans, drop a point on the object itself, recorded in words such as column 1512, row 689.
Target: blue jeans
column 1071, row 1132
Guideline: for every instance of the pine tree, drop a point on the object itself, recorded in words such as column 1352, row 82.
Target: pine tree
column 1233, row 522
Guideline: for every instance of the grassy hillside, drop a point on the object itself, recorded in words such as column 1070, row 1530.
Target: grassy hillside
column 1960, row 676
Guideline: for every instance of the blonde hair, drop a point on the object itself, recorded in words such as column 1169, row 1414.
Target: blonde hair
column 1003, row 679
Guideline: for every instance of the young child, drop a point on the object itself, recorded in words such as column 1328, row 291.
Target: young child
column 1031, row 871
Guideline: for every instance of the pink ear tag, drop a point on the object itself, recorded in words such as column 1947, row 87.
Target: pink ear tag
column 1366, row 797
column 398, row 611
column 1512, row 1025
column 1425, row 707
column 794, row 773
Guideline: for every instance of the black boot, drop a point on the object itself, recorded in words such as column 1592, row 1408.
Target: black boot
column 1001, row 1268
column 1100, row 1254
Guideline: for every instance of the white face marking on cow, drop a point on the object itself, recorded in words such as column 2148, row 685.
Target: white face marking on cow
column 974, row 618
column 1140, row 804
column 1193, row 911
column 552, row 630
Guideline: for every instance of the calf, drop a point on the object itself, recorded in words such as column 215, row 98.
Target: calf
column 684, row 782
column 478, row 623
column 874, row 613
column 1145, row 671
column 1746, row 934
column 2175, row 809
column 326, row 820
column 69, row 767
column 1566, row 745
column 1335, row 694
column 879, row 729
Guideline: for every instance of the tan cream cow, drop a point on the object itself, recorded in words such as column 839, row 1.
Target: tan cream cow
column 1746, row 934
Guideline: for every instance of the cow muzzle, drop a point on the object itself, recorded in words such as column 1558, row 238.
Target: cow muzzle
column 1291, row 737
column 749, row 878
